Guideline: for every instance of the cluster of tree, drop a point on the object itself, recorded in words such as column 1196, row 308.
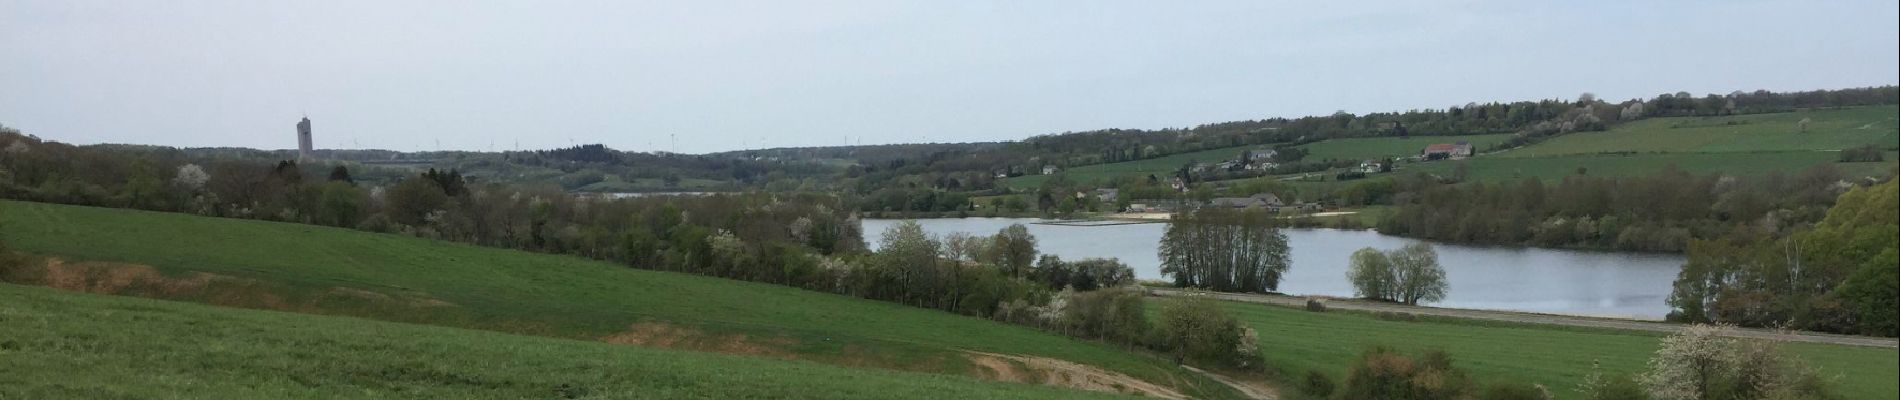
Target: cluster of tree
column 1838, row 276
column 1703, row 362
column 1867, row 153
column 1085, row 274
column 1408, row 275
column 1225, row 250
column 994, row 277
column 894, row 199
column 1762, row 101
column 1660, row 212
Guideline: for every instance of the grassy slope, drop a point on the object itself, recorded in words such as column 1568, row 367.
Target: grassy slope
column 546, row 294
column 1556, row 167
column 1556, row 357
column 1375, row 148
column 1357, row 148
column 71, row 345
column 1828, row 130
column 1753, row 145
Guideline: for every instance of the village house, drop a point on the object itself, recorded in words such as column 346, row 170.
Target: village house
column 1107, row 195
column 1369, row 167
column 1049, row 169
column 1439, row 151
column 1260, row 200
column 1261, row 155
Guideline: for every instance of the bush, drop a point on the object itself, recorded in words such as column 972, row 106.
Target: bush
column 1703, row 362
column 1112, row 314
column 1317, row 384
column 1867, row 153
column 1198, row 329
column 1598, row 386
column 1513, row 391
column 1382, row 373
column 1315, row 305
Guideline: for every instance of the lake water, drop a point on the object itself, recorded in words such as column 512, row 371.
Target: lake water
column 1631, row 285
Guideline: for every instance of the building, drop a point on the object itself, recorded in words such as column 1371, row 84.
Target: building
column 1107, row 195
column 1259, row 200
column 1048, row 169
column 1441, row 151
column 1369, row 167
column 303, row 139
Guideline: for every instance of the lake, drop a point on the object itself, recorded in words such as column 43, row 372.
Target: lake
column 1611, row 284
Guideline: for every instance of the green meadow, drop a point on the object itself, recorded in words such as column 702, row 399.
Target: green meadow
column 302, row 267
column 58, row 345
column 1296, row 341
column 1829, row 129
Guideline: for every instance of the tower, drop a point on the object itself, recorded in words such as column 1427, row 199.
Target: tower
column 303, row 139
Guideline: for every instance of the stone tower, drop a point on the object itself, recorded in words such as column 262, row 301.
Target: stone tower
column 303, row 139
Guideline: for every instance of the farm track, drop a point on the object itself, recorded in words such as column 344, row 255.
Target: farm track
column 1545, row 319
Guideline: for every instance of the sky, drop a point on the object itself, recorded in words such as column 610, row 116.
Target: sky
column 706, row 76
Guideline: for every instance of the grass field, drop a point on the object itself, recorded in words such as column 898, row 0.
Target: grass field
column 1831, row 129
column 1743, row 145
column 548, row 295
column 1644, row 164
column 1556, row 357
column 1356, row 148
column 1377, row 148
column 56, row 344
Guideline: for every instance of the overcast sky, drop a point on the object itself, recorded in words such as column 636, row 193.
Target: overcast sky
column 423, row 75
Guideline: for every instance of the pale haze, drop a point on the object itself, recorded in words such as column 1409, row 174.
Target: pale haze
column 713, row 76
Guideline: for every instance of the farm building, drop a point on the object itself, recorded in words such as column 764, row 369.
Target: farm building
column 1439, row 151
column 1260, row 200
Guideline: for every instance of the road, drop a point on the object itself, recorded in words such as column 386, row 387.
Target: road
column 1533, row 318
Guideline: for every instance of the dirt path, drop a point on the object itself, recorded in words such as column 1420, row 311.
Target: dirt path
column 1252, row 390
column 1549, row 319
column 1055, row 372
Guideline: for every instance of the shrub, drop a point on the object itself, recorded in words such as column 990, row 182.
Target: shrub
column 1315, row 305
column 1317, row 384
column 1598, row 386
column 1113, row 314
column 1867, row 153
column 1382, row 373
column 1702, row 362
column 1198, row 329
column 1513, row 391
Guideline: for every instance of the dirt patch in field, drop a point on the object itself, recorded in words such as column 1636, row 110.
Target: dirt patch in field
column 116, row 278
column 1055, row 372
column 1252, row 389
column 665, row 335
column 141, row 280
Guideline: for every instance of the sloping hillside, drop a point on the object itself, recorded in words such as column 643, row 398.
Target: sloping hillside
column 1830, row 129
column 335, row 271
column 71, row 345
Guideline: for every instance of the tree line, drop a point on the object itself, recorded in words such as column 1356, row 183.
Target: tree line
column 1660, row 212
